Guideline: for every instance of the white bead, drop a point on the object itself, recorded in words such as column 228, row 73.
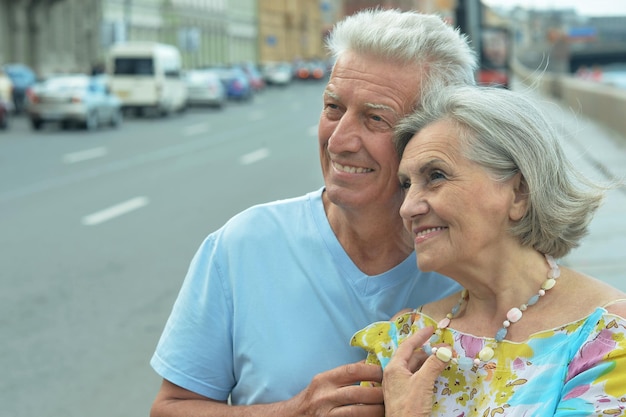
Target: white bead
column 506, row 323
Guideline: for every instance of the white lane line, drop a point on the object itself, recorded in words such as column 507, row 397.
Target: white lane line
column 254, row 156
column 114, row 211
column 196, row 129
column 256, row 115
column 71, row 158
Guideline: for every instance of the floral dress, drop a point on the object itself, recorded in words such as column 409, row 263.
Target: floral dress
column 575, row 370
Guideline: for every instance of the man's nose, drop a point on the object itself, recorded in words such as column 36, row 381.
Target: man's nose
column 346, row 137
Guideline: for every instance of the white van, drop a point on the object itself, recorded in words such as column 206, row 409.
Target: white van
column 147, row 76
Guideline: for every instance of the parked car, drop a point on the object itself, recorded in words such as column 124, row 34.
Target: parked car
column 6, row 90
column 4, row 115
column 277, row 73
column 204, row 87
column 254, row 76
column 23, row 77
column 311, row 70
column 236, row 83
column 69, row 99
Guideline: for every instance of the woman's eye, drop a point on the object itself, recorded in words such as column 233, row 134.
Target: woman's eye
column 405, row 185
column 436, row 175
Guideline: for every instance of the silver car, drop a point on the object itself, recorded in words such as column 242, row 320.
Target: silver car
column 205, row 88
column 74, row 99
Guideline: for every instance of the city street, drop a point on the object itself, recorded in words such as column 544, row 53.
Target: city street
column 98, row 229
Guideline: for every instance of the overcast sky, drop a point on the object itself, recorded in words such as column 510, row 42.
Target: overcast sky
column 584, row 7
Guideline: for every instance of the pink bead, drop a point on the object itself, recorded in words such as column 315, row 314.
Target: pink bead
column 514, row 315
column 444, row 323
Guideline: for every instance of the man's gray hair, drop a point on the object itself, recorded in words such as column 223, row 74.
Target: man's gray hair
column 408, row 38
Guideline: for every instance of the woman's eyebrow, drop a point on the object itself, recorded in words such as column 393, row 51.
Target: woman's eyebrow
column 429, row 164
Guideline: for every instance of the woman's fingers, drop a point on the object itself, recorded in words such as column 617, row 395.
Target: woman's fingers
column 409, row 378
column 413, row 343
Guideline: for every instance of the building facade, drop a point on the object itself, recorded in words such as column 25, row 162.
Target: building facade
column 50, row 35
column 74, row 35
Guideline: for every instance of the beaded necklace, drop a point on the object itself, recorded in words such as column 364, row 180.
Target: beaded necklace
column 512, row 316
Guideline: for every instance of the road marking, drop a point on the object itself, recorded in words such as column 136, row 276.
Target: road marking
column 254, row 156
column 196, row 129
column 71, row 158
column 256, row 115
column 114, row 211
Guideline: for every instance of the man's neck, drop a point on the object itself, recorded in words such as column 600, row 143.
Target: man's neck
column 375, row 240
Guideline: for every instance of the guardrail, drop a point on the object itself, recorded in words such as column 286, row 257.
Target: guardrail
column 600, row 102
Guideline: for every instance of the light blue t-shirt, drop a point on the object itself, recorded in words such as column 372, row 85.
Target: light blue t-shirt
column 271, row 299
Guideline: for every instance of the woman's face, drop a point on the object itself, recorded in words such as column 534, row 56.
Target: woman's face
column 455, row 211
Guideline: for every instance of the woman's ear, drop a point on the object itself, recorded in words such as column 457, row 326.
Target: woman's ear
column 519, row 204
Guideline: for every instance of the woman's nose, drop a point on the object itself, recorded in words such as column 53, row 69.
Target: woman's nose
column 413, row 205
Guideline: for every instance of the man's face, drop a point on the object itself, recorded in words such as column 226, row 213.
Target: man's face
column 363, row 100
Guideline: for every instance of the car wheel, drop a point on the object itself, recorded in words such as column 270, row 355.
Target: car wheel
column 116, row 118
column 36, row 124
column 91, row 122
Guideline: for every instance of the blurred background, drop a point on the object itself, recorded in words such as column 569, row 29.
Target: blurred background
column 131, row 129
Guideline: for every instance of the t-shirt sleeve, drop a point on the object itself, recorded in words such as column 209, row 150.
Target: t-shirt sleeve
column 187, row 354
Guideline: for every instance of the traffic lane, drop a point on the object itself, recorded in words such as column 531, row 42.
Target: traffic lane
column 96, row 270
column 50, row 157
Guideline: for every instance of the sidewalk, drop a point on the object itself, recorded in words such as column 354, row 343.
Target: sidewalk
column 601, row 154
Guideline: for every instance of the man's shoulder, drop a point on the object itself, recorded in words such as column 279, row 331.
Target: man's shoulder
column 281, row 206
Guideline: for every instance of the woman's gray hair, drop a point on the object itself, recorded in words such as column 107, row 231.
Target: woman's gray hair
column 408, row 38
column 506, row 133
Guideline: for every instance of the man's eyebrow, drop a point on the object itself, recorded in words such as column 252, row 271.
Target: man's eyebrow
column 378, row 106
column 375, row 106
column 331, row 95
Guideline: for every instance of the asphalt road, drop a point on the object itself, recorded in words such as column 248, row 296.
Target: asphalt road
column 97, row 230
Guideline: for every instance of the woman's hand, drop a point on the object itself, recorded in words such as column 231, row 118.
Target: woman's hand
column 409, row 378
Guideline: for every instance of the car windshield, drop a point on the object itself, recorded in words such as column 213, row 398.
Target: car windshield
column 133, row 66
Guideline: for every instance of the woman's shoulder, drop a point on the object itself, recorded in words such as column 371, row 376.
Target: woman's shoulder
column 592, row 293
column 617, row 307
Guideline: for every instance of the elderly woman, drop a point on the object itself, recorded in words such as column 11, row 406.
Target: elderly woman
column 491, row 201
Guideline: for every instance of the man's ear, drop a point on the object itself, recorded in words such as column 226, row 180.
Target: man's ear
column 519, row 204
